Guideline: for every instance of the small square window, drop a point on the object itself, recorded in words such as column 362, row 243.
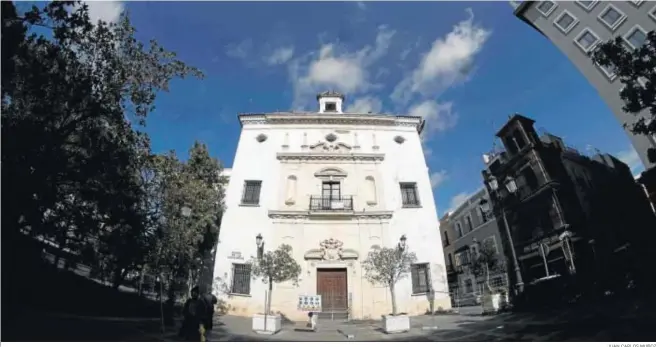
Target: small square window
column 612, row 17
column 565, row 22
column 608, row 72
column 587, row 5
column 546, row 7
column 637, row 3
column 251, row 194
column 587, row 39
column 331, row 107
column 409, row 195
column 652, row 13
column 636, row 37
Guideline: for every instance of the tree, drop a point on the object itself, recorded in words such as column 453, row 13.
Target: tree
column 486, row 262
column 275, row 267
column 181, row 242
column 73, row 101
column 636, row 69
column 386, row 266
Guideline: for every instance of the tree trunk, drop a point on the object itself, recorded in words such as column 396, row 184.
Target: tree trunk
column 268, row 305
column 394, row 311
column 487, row 278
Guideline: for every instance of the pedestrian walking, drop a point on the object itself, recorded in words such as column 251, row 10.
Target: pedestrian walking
column 194, row 318
column 210, row 301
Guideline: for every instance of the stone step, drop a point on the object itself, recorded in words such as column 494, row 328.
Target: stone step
column 333, row 316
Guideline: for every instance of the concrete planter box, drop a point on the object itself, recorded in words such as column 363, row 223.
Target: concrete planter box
column 273, row 324
column 396, row 324
column 492, row 303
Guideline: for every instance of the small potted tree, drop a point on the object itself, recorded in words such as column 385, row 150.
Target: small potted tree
column 386, row 266
column 486, row 262
column 273, row 267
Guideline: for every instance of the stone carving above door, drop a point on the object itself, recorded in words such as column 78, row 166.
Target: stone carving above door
column 331, row 250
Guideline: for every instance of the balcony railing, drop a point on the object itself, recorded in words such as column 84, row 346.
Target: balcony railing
column 323, row 203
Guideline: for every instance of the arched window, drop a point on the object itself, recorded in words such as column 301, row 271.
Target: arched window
column 370, row 190
column 290, row 194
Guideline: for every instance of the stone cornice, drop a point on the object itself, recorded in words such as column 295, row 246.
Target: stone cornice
column 307, row 156
column 281, row 214
column 323, row 118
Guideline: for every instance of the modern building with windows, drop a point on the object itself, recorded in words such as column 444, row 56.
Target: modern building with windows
column 577, row 27
column 464, row 231
column 333, row 186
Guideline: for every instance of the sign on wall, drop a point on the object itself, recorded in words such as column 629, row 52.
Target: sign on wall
column 236, row 255
column 309, row 303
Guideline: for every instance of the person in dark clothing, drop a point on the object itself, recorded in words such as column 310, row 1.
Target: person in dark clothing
column 194, row 313
column 210, row 301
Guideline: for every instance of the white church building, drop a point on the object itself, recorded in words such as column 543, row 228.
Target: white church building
column 332, row 185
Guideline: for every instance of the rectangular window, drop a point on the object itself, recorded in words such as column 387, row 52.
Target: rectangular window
column 609, row 72
column 637, row 3
column 446, row 238
column 636, row 37
column 409, row 195
column 331, row 191
column 470, row 225
column 251, row 193
column 459, row 229
column 420, row 278
column 469, row 286
column 565, row 22
column 612, row 17
column 519, row 139
column 587, row 39
column 546, row 7
column 652, row 13
column 587, row 5
column 331, row 107
column 241, row 279
column 497, row 282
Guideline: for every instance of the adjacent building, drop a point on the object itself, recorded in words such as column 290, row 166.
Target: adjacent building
column 569, row 215
column 464, row 231
column 577, row 27
column 333, row 186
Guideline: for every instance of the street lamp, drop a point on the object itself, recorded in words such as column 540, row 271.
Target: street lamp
column 402, row 242
column 511, row 186
column 259, row 241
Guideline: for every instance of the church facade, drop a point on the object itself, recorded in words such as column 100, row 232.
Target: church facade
column 333, row 186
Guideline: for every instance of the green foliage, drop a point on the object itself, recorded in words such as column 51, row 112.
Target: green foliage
column 74, row 104
column 636, row 69
column 386, row 266
column 277, row 266
column 485, row 262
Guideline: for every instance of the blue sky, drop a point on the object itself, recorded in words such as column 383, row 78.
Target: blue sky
column 464, row 66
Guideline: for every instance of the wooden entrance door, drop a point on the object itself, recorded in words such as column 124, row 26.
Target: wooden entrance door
column 332, row 286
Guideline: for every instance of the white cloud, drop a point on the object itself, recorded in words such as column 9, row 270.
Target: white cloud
column 332, row 68
column 437, row 178
column 457, row 200
column 365, row 105
column 280, row 56
column 449, row 60
column 361, row 5
column 240, row 50
column 630, row 157
column 438, row 117
column 107, row 11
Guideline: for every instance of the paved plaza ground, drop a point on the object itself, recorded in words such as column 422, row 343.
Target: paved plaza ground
column 602, row 322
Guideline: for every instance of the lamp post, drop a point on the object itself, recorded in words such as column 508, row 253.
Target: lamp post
column 511, row 187
column 259, row 242
column 402, row 243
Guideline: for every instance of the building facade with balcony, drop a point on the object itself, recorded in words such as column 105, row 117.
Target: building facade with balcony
column 333, row 186
column 464, row 232
column 570, row 216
